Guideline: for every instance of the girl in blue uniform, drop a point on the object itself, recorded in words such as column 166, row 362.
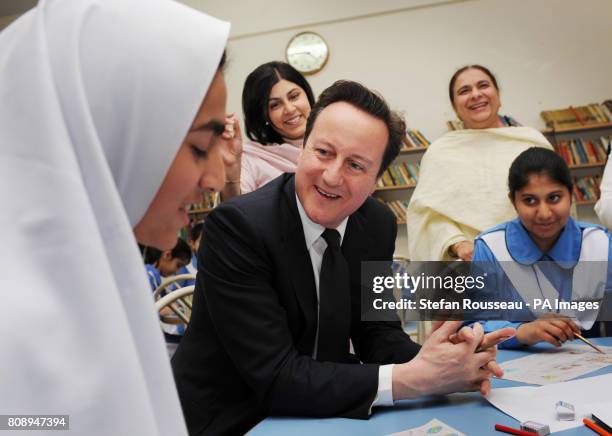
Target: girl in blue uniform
column 195, row 236
column 543, row 255
column 160, row 264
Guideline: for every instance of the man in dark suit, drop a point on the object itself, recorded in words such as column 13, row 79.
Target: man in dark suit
column 263, row 338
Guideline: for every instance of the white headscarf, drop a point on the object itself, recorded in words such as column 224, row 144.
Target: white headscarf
column 95, row 99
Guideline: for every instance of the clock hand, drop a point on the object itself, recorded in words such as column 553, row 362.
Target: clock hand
column 302, row 53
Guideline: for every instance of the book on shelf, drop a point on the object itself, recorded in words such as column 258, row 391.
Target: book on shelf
column 578, row 116
column 209, row 201
column 398, row 208
column 414, row 139
column 506, row 120
column 586, row 189
column 580, row 151
column 399, row 174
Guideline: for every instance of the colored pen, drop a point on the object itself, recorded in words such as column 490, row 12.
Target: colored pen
column 511, row 430
column 597, row 429
column 586, row 341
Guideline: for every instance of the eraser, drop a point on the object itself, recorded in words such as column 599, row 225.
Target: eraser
column 565, row 411
column 535, row 428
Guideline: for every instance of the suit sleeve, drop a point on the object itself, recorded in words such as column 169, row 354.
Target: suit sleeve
column 382, row 342
column 251, row 324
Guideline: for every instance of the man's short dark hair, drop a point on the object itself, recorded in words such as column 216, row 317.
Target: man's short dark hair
column 371, row 103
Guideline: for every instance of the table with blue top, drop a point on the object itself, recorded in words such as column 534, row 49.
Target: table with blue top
column 469, row 413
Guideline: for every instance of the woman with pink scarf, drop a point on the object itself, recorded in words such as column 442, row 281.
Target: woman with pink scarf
column 276, row 101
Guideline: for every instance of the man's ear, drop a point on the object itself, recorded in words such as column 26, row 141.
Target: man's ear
column 166, row 254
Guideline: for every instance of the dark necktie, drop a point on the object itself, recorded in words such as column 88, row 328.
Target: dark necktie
column 334, row 302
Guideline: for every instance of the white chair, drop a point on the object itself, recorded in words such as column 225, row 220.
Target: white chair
column 401, row 266
column 172, row 280
column 179, row 302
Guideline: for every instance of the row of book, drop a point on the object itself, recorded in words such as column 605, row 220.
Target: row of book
column 586, row 189
column 398, row 208
column 580, row 151
column 506, row 120
column 414, row 139
column 400, row 174
column 579, row 116
column 209, row 200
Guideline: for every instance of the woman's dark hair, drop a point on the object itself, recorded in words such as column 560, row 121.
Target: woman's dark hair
column 222, row 61
column 538, row 160
column 256, row 94
column 369, row 102
column 181, row 251
column 196, row 231
column 453, row 79
column 150, row 255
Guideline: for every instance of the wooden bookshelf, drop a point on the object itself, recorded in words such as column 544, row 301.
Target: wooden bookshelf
column 589, row 165
column 200, row 211
column 585, row 128
column 412, row 150
column 572, row 138
column 394, row 188
column 585, row 202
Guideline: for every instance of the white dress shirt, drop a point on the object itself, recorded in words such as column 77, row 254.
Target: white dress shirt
column 316, row 246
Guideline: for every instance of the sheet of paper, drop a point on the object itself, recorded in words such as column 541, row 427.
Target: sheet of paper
column 432, row 428
column 556, row 365
column 603, row 413
column 537, row 403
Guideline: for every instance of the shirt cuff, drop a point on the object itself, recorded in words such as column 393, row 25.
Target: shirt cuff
column 384, row 395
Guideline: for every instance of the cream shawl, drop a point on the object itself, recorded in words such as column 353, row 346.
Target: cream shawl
column 462, row 188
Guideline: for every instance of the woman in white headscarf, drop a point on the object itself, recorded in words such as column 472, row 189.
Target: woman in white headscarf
column 110, row 113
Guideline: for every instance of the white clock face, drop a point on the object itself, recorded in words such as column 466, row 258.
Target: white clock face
column 307, row 52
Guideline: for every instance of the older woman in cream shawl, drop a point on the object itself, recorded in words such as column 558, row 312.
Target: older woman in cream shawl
column 96, row 100
column 462, row 185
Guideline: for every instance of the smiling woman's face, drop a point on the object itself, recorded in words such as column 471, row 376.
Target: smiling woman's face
column 476, row 100
column 288, row 109
column 197, row 167
column 543, row 206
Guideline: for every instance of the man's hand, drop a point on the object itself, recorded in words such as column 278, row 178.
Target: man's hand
column 442, row 367
column 553, row 330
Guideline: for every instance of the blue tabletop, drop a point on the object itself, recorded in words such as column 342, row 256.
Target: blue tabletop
column 469, row 413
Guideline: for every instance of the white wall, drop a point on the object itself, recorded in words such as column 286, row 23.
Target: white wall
column 546, row 53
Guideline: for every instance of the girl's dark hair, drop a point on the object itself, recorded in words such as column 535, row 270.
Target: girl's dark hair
column 151, row 255
column 453, row 79
column 256, row 94
column 196, row 231
column 538, row 160
column 181, row 251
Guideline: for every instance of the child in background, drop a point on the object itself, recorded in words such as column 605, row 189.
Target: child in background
column 195, row 236
column 161, row 264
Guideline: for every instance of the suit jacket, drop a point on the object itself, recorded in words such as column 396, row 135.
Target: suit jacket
column 247, row 351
